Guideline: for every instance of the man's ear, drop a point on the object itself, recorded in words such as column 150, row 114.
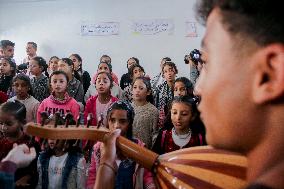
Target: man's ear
column 269, row 81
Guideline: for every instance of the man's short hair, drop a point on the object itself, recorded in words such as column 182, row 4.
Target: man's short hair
column 5, row 43
column 261, row 20
column 33, row 44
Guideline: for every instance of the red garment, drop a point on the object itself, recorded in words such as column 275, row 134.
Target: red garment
column 3, row 97
column 6, row 145
column 52, row 105
column 168, row 145
column 91, row 108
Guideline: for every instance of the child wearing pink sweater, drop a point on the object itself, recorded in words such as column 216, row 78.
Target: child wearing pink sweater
column 59, row 100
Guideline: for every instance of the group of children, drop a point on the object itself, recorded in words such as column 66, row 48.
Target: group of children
column 158, row 113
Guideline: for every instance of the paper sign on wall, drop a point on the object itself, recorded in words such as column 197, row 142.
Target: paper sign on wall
column 152, row 27
column 190, row 29
column 100, row 29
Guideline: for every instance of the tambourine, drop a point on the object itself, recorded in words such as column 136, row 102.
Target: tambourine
column 196, row 167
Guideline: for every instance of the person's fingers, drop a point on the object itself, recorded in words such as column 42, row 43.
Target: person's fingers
column 33, row 153
column 111, row 137
column 24, row 148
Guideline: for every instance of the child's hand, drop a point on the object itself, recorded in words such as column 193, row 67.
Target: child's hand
column 108, row 150
column 21, row 155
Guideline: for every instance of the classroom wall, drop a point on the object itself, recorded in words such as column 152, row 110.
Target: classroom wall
column 55, row 26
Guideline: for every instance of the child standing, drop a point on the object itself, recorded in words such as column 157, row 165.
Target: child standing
column 125, row 78
column 129, row 174
column 135, row 71
column 183, row 86
column 7, row 72
column 59, row 100
column 98, row 104
column 39, row 81
column 115, row 90
column 12, row 120
column 75, row 87
column 22, row 87
column 163, row 93
column 61, row 166
column 145, row 124
column 84, row 75
column 52, row 64
column 185, row 132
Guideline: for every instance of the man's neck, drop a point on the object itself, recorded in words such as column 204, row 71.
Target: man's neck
column 265, row 162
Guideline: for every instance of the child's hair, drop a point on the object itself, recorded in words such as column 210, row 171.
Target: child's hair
column 146, row 81
column 131, row 69
column 108, row 64
column 26, row 79
column 69, row 62
column 105, row 56
column 52, row 58
column 167, row 59
column 15, row 108
column 42, row 63
column 12, row 65
column 124, row 105
column 58, row 72
column 135, row 59
column 188, row 85
column 78, row 57
column 108, row 75
column 171, row 64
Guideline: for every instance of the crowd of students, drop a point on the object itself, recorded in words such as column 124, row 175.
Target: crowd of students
column 239, row 94
column 158, row 113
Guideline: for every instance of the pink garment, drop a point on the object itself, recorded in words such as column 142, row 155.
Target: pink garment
column 91, row 108
column 146, row 177
column 113, row 75
column 52, row 105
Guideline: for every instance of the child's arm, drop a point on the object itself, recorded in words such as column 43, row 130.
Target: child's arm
column 75, row 109
column 39, row 110
column 154, row 127
column 93, row 167
column 35, row 109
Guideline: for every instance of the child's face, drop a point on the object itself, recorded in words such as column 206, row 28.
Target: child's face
column 75, row 62
column 34, row 67
column 179, row 89
column 53, row 64
column 9, row 126
column 137, row 72
column 169, row 73
column 21, row 89
column 118, row 120
column 58, row 83
column 102, row 83
column 103, row 67
column 5, row 67
column 62, row 66
column 56, row 144
column 139, row 90
column 181, row 115
column 130, row 62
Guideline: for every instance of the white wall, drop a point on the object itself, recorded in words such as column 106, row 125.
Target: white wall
column 55, row 26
